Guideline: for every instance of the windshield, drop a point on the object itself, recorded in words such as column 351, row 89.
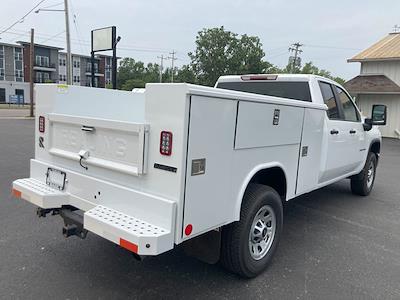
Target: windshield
column 286, row 89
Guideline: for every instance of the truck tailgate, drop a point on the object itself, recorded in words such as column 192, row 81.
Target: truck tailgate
column 114, row 145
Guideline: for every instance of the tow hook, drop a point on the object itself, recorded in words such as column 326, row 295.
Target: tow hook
column 73, row 222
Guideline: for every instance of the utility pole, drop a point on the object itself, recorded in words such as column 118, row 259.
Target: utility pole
column 162, row 58
column 68, row 38
column 31, row 75
column 172, row 58
column 296, row 49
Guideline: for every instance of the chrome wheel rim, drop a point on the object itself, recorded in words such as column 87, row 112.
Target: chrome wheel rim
column 370, row 175
column 262, row 232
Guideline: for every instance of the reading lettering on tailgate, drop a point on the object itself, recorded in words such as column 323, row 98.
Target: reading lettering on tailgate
column 99, row 143
column 110, row 144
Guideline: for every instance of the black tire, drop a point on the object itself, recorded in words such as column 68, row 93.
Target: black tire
column 235, row 249
column 361, row 184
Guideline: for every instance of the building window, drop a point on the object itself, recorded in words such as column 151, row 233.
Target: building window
column 89, row 67
column 62, row 62
column 19, row 75
column 39, row 77
column 18, row 65
column 18, row 54
column 76, row 63
column 42, row 61
column 63, row 77
column 77, row 79
column 42, row 77
column 89, row 81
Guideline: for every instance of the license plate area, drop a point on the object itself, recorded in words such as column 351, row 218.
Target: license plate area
column 56, row 178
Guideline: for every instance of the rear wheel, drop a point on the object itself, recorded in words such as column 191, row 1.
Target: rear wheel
column 249, row 244
column 362, row 183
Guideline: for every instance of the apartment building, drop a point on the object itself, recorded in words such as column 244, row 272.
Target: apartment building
column 12, row 83
column 49, row 66
column 82, row 70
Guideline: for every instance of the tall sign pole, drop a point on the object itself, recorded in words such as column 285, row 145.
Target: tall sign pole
column 114, row 58
column 104, row 39
column 31, row 74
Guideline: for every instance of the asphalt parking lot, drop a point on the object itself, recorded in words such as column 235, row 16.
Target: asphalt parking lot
column 335, row 246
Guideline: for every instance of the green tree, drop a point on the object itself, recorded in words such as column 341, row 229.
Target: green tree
column 220, row 52
column 309, row 68
column 186, row 74
column 134, row 74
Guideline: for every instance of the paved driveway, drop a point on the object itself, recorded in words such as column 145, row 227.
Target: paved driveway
column 335, row 246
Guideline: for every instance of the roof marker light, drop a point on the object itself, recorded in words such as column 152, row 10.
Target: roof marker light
column 259, row 77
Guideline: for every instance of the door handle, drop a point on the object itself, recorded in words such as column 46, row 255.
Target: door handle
column 88, row 128
column 353, row 131
column 334, row 131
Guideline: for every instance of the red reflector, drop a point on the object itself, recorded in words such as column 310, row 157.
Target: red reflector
column 166, row 143
column 41, row 124
column 259, row 77
column 189, row 229
column 16, row 193
column 128, row 245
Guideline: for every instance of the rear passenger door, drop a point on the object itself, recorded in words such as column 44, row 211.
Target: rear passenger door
column 334, row 162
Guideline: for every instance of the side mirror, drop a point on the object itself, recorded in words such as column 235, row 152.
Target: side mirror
column 379, row 114
column 378, row 117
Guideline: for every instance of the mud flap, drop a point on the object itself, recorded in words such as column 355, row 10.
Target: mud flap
column 205, row 247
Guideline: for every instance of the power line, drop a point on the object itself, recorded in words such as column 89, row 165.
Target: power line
column 87, row 43
column 77, row 29
column 20, row 20
column 330, row 47
column 53, row 5
column 52, row 37
column 280, row 54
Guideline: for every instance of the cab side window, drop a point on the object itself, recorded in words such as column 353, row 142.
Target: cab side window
column 329, row 100
column 349, row 110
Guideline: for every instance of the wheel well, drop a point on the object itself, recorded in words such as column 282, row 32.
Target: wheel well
column 273, row 177
column 376, row 148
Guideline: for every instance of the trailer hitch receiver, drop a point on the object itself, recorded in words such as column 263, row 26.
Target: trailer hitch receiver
column 73, row 222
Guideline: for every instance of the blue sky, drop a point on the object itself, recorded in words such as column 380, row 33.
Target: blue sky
column 331, row 31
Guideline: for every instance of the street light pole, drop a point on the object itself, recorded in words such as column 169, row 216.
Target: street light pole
column 68, row 38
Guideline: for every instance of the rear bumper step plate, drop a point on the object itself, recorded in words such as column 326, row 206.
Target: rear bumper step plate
column 39, row 193
column 136, row 235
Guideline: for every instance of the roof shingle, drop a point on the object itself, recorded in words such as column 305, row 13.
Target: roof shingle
column 371, row 84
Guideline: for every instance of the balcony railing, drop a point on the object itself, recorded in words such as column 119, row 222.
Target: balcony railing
column 89, row 70
column 45, row 65
column 42, row 80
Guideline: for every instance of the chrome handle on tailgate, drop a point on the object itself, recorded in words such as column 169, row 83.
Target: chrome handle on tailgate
column 88, row 128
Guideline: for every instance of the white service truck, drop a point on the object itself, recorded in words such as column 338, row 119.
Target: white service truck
column 208, row 168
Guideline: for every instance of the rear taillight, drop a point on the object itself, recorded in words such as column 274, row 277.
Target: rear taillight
column 166, row 143
column 41, row 124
